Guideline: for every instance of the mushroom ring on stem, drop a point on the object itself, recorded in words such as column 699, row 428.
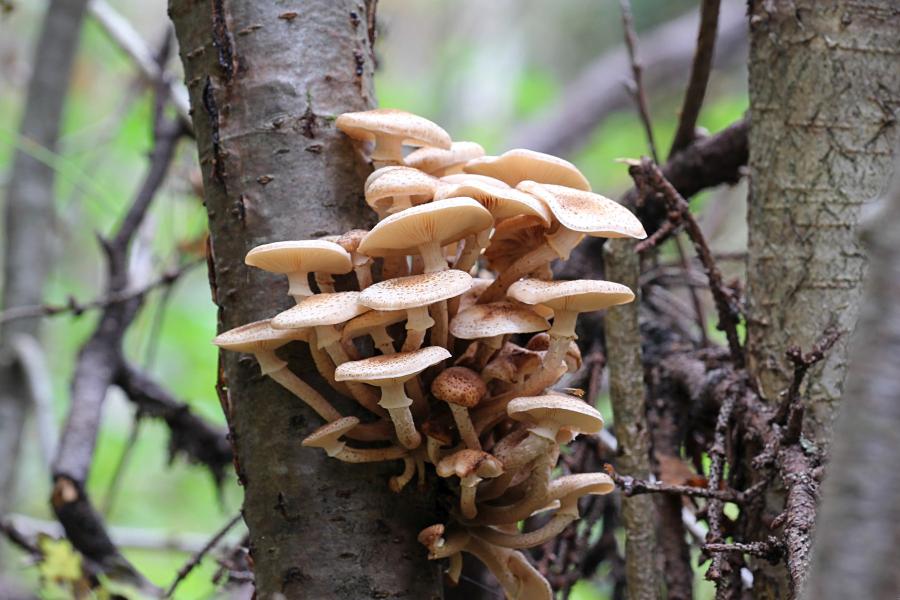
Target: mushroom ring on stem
column 390, row 130
column 297, row 259
column 577, row 213
column 390, row 372
column 568, row 299
column 471, row 466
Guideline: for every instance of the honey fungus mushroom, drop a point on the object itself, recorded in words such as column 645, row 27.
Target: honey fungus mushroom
column 441, row 161
column 398, row 189
column 490, row 323
column 471, row 466
column 520, row 164
column 390, row 130
column 389, row 372
column 461, row 389
column 327, row 437
column 297, row 259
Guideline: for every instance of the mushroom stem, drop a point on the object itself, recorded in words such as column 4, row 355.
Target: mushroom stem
column 417, row 323
column 491, row 412
column 433, row 257
column 472, row 249
column 400, row 203
column 550, row 530
column 325, row 282
column 298, row 285
column 497, row 562
column 468, row 491
column 286, row 379
column 439, row 335
column 561, row 334
column 398, row 482
column 325, row 367
column 394, row 267
column 420, row 456
column 397, row 403
column 328, row 337
column 557, row 245
column 464, row 426
column 363, row 275
column 388, row 151
column 383, row 341
column 454, row 569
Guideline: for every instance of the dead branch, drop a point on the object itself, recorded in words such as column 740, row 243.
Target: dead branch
column 637, row 84
column 194, row 560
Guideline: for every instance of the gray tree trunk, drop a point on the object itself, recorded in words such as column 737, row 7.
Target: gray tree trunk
column 266, row 80
column 824, row 88
column 857, row 545
column 28, row 217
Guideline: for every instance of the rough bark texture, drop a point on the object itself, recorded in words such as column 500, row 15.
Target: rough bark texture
column 29, row 217
column 824, row 88
column 266, row 81
column 857, row 545
column 626, row 390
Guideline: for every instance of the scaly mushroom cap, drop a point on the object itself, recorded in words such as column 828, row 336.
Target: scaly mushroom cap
column 502, row 202
column 496, row 318
column 408, row 128
column 460, row 386
column 416, row 290
column 586, row 212
column 470, row 462
column 300, row 256
column 367, row 322
column 512, row 363
column 328, row 435
column 512, row 239
column 470, row 296
column 349, row 241
column 321, row 309
column 520, row 165
column 577, row 295
column 379, row 172
column 258, row 336
column 438, row 161
column 401, row 365
column 443, row 222
column 400, row 181
column 563, row 411
column 432, row 536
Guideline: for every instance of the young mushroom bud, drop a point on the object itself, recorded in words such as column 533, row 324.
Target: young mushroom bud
column 398, row 189
column 298, row 259
column 327, row 437
column 390, row 130
column 461, row 389
column 389, row 372
column 362, row 264
column 471, row 466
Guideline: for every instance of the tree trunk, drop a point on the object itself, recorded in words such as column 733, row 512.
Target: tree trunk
column 28, row 217
column 823, row 88
column 266, row 81
column 857, row 548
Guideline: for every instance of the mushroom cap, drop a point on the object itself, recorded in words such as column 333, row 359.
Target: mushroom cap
column 300, row 256
column 443, row 222
column 460, row 386
column 410, row 129
column 576, row 295
column 470, row 296
column 350, row 240
column 586, row 212
column 460, row 178
column 379, row 172
column 400, row 181
column 470, row 462
column 520, row 165
column 496, row 318
column 564, row 411
column 512, row 239
column 388, row 367
column 580, row 484
column 416, row 290
column 321, row 309
column 502, row 202
column 437, row 160
column 328, row 435
column 256, row 336
column 431, row 536
column 366, row 322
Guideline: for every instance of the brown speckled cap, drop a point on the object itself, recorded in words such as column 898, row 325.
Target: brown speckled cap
column 460, row 386
column 562, row 411
column 440, row 161
column 577, row 295
column 416, row 186
column 305, row 256
column 496, row 318
column 502, row 202
column 257, row 336
column 321, row 309
column 390, row 129
column 416, row 290
column 470, row 462
column 586, row 212
column 328, row 435
column 399, row 366
column 521, row 165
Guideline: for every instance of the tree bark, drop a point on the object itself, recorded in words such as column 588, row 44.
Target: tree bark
column 824, row 86
column 28, row 217
column 626, row 391
column 857, row 548
column 266, row 81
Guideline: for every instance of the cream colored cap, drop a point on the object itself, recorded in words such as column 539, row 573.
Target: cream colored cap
column 416, row 290
column 563, row 411
column 391, row 367
column 496, row 318
column 577, row 295
column 258, row 336
column 586, row 212
column 300, row 256
column 393, row 128
column 438, row 161
column 521, row 165
column 321, row 309
column 365, row 323
column 400, row 181
column 502, row 202
column 328, row 435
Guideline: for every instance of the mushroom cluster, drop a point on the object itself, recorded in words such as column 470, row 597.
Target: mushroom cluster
column 469, row 333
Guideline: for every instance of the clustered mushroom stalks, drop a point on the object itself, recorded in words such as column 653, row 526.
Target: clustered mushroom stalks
column 469, row 334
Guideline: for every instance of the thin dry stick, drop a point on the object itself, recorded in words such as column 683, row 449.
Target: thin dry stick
column 637, row 90
column 700, row 70
column 716, row 466
column 186, row 569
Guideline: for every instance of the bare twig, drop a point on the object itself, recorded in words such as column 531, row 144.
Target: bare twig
column 716, row 466
column 185, row 570
column 700, row 70
column 632, row 487
column 771, row 549
column 637, row 89
column 77, row 308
